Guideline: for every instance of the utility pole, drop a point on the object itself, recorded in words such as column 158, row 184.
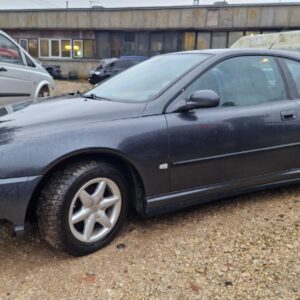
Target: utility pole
column 196, row 2
column 67, row 4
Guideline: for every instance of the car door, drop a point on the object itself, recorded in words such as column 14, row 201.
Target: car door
column 292, row 70
column 16, row 82
column 252, row 133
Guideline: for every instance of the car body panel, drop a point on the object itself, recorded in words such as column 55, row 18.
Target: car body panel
column 231, row 143
column 94, row 128
column 15, row 196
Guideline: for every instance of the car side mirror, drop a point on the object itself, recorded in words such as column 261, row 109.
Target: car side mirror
column 200, row 99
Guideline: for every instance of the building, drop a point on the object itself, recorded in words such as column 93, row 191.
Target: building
column 78, row 38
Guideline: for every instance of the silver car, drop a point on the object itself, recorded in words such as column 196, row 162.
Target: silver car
column 21, row 77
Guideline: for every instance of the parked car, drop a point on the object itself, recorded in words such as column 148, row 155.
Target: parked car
column 113, row 66
column 21, row 77
column 53, row 70
column 190, row 127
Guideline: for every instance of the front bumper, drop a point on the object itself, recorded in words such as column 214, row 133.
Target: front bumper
column 15, row 195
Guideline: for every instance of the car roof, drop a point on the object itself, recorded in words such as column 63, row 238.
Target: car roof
column 133, row 57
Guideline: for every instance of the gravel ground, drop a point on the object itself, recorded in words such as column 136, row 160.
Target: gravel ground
column 246, row 247
column 63, row 86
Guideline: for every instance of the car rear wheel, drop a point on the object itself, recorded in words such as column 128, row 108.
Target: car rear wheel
column 82, row 207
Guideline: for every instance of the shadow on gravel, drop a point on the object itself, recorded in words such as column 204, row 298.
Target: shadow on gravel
column 32, row 249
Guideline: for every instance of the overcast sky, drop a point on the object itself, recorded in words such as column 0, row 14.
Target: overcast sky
column 20, row 4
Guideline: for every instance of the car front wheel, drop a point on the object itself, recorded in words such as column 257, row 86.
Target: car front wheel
column 82, row 207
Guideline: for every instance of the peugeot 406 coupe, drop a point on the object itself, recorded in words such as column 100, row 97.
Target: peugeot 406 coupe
column 174, row 131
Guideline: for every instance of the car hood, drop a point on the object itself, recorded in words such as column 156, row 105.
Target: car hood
column 61, row 114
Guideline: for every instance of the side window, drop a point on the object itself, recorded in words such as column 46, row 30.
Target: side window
column 9, row 52
column 242, row 81
column 294, row 68
column 29, row 62
column 123, row 64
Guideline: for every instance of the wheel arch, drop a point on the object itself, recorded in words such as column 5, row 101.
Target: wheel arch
column 136, row 181
column 43, row 84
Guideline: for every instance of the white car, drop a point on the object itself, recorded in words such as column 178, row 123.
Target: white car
column 21, row 77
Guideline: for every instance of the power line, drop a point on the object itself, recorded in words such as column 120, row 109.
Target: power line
column 44, row 4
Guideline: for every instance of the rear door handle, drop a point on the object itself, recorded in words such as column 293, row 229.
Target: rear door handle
column 288, row 115
column 2, row 69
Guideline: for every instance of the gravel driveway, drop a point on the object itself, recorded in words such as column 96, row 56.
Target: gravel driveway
column 246, row 247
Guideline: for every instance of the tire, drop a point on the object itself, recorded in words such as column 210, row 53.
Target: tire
column 68, row 188
column 42, row 91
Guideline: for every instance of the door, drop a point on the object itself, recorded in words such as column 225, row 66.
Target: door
column 292, row 69
column 253, row 132
column 16, row 82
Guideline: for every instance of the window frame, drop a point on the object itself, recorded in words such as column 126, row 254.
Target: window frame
column 289, row 78
column 179, row 97
column 38, row 46
column 82, row 55
column 26, row 40
column 71, row 50
column 59, row 48
column 49, row 40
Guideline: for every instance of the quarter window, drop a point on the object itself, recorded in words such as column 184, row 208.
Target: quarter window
column 242, row 81
column 9, row 52
column 294, row 68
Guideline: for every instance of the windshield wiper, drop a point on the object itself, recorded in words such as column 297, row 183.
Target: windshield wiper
column 94, row 97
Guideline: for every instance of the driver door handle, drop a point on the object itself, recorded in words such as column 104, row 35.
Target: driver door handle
column 288, row 115
column 2, row 69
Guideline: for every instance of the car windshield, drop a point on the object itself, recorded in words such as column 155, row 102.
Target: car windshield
column 148, row 79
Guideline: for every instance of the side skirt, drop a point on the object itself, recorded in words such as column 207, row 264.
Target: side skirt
column 176, row 200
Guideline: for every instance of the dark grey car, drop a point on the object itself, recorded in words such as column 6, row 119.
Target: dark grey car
column 207, row 125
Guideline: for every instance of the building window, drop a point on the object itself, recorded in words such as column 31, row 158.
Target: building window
column 219, row 40
column 171, row 42
column 66, row 48
column 33, row 48
column 129, row 43
column 103, row 45
column 203, row 40
column 77, row 48
column 116, row 44
column 157, row 39
column 55, row 48
column 88, row 48
column 44, row 48
column 24, row 43
column 189, row 41
column 142, row 43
